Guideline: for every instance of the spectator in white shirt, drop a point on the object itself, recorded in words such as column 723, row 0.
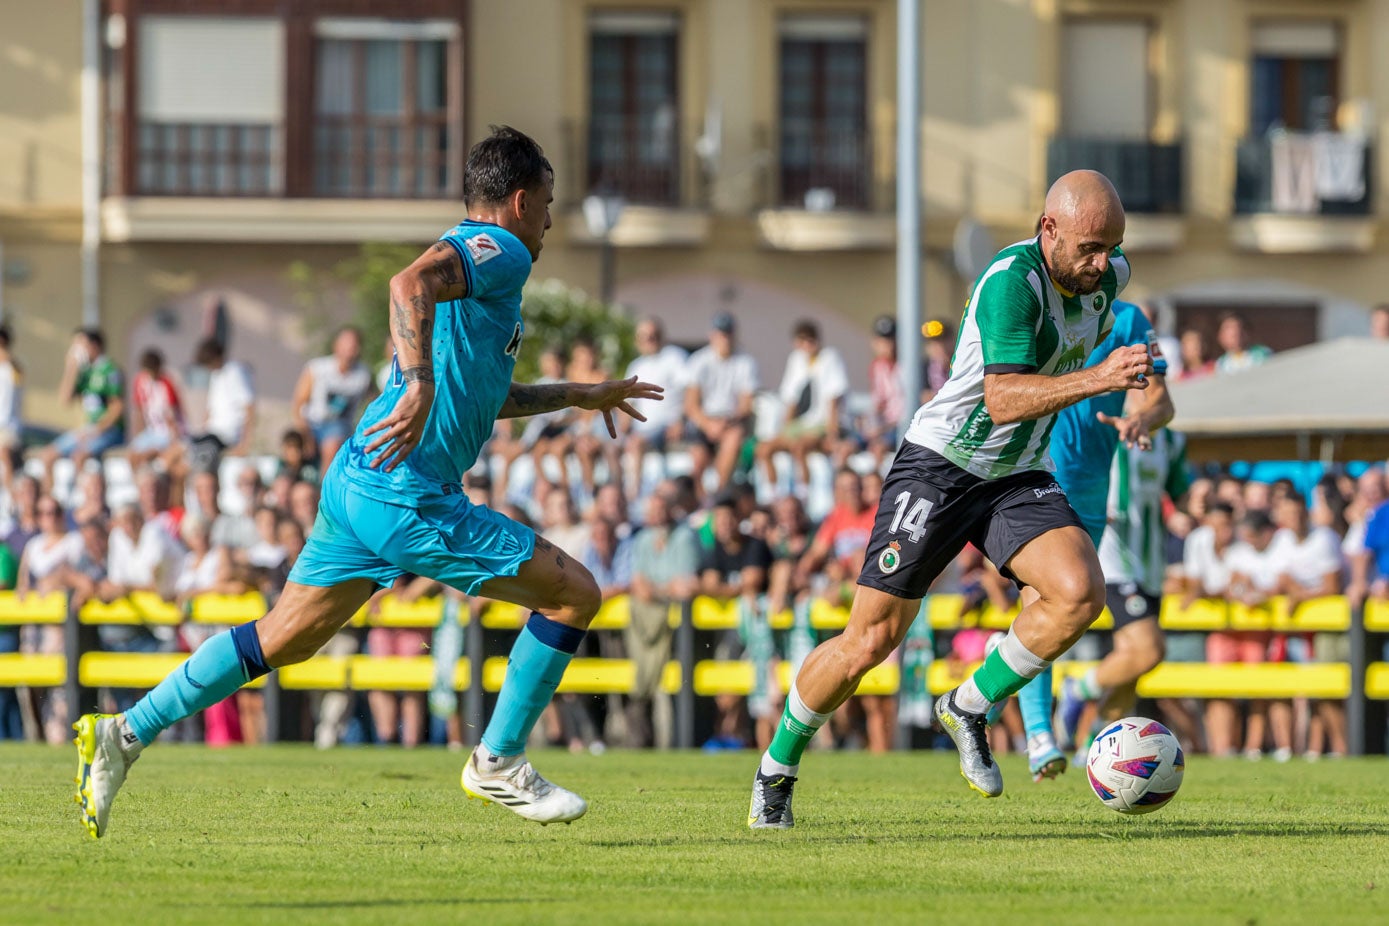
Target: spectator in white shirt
column 812, row 393
column 231, row 410
column 329, row 394
column 664, row 365
column 719, row 390
column 11, row 400
column 1310, row 566
column 1255, row 577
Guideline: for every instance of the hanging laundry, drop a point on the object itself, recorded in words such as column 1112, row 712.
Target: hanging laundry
column 1340, row 166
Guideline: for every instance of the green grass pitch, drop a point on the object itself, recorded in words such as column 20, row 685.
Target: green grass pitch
column 288, row 834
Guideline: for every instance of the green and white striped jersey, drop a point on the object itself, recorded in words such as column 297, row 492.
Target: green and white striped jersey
column 1017, row 321
column 1134, row 547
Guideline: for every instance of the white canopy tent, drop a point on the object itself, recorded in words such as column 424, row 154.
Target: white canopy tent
column 1327, row 401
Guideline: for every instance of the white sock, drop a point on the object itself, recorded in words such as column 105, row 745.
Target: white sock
column 968, row 697
column 131, row 747
column 771, row 766
column 489, row 762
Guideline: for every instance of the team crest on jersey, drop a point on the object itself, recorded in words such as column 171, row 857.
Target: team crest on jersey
column 890, row 559
column 1097, row 303
column 482, row 248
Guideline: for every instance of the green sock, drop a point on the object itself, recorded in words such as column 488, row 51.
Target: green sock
column 795, row 731
column 1007, row 669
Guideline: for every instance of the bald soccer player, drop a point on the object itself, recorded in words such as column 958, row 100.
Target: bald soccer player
column 974, row 468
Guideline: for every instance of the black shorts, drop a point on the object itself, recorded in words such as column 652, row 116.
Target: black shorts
column 1130, row 603
column 931, row 508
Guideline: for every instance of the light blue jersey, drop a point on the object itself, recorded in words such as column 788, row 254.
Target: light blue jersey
column 415, row 519
column 1081, row 445
column 476, row 341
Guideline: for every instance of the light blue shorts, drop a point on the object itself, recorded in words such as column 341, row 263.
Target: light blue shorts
column 447, row 538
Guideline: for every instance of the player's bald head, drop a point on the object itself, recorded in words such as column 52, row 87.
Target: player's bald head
column 1083, row 218
column 1085, row 198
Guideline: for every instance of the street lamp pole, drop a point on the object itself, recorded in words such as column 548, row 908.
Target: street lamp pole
column 601, row 214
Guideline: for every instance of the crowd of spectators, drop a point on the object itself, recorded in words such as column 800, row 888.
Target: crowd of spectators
column 711, row 495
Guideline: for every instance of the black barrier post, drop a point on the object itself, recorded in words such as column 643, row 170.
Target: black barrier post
column 1356, row 716
column 472, row 701
column 272, row 707
column 78, row 638
column 684, row 699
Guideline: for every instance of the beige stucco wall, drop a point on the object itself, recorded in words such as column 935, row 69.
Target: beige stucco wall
column 990, row 79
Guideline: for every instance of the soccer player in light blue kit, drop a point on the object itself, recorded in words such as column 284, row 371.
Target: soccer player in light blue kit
column 393, row 501
column 1082, row 447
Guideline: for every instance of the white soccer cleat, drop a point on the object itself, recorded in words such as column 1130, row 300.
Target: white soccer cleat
column 101, row 768
column 520, row 788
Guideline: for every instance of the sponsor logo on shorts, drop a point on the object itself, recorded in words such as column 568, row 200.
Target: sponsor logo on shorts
column 1052, row 489
column 890, row 559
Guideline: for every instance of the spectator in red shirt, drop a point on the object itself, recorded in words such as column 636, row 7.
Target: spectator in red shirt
column 158, row 411
column 837, row 550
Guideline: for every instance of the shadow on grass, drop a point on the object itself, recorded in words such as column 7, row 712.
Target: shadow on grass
column 935, row 833
column 384, row 902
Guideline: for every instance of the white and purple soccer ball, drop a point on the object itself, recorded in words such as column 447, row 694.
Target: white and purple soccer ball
column 1135, row 765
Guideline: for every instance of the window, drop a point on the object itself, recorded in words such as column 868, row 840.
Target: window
column 1105, row 82
column 824, row 150
column 633, row 135
column 284, row 99
column 211, row 105
column 1294, row 76
column 381, row 122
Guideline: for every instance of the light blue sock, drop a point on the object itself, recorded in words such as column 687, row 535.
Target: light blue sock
column 217, row 669
column 1035, row 700
column 538, row 660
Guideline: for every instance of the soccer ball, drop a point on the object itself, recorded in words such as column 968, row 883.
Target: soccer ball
column 1135, row 765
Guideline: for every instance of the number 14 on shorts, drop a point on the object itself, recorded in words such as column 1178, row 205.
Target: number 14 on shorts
column 910, row 516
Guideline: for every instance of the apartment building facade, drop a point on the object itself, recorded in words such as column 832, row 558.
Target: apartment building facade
column 164, row 162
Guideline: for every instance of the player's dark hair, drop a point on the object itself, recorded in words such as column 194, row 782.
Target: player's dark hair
column 95, row 336
column 5, row 336
column 501, row 164
column 1257, row 521
column 152, row 361
column 1224, row 508
column 805, row 328
column 293, row 438
column 1233, row 316
column 1293, row 495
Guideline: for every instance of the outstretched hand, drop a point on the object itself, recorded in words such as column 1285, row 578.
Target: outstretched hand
column 402, row 429
column 617, row 395
column 1131, row 430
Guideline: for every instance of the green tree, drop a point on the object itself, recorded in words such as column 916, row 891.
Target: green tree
column 553, row 312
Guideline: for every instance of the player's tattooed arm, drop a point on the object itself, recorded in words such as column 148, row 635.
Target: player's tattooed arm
column 526, row 399
column 607, row 397
column 434, row 276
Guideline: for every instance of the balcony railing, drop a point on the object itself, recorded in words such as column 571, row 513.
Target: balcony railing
column 209, row 159
column 823, row 167
column 632, row 158
column 1294, row 173
column 385, row 156
column 1148, row 176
